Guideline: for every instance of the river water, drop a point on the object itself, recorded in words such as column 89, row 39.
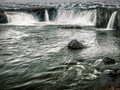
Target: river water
column 34, row 55
column 36, row 58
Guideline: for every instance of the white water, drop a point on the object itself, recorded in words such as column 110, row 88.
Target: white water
column 112, row 20
column 46, row 16
column 77, row 17
column 72, row 17
column 21, row 18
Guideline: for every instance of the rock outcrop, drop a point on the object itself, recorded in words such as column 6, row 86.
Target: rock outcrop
column 3, row 17
column 74, row 44
column 52, row 14
column 103, row 15
column 115, row 73
column 108, row 60
column 102, row 18
column 37, row 12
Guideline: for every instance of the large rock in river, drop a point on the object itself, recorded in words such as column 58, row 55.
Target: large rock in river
column 3, row 17
column 74, row 44
column 108, row 60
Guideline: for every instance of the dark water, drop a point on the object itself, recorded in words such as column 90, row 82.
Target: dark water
column 36, row 58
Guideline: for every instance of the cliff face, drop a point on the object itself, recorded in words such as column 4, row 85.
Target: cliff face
column 3, row 17
column 40, row 12
column 103, row 16
column 118, row 19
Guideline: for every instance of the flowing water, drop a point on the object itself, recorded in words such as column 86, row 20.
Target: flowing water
column 37, row 58
column 87, row 17
column 111, row 21
column 20, row 18
column 46, row 16
column 34, row 54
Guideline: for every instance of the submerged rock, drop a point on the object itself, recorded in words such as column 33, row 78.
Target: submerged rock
column 3, row 17
column 114, row 73
column 74, row 44
column 114, row 80
column 108, row 60
column 70, row 27
column 69, row 63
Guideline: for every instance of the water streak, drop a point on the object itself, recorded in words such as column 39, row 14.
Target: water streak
column 20, row 18
column 46, row 16
column 87, row 17
column 112, row 20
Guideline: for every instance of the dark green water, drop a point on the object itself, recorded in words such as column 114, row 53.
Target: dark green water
column 36, row 58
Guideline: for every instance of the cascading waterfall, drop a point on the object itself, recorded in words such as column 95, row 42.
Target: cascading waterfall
column 77, row 17
column 87, row 17
column 46, row 16
column 20, row 18
column 112, row 20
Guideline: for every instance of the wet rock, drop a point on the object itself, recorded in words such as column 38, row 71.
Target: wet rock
column 40, row 13
column 52, row 14
column 74, row 44
column 109, row 81
column 102, row 17
column 3, row 17
column 118, row 20
column 114, row 73
column 70, row 27
column 114, row 80
column 69, row 63
column 108, row 60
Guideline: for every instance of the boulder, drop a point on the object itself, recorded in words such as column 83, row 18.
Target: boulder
column 114, row 73
column 74, row 44
column 3, row 17
column 108, row 60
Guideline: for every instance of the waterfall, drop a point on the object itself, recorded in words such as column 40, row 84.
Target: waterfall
column 20, row 18
column 87, row 17
column 46, row 16
column 77, row 17
column 112, row 20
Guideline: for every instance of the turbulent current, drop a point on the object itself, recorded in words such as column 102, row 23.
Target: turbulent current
column 34, row 54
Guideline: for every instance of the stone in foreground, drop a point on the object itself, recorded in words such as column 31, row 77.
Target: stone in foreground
column 74, row 44
column 115, row 73
column 108, row 60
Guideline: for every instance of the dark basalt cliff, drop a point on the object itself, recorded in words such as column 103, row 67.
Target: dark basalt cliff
column 103, row 16
column 3, row 17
